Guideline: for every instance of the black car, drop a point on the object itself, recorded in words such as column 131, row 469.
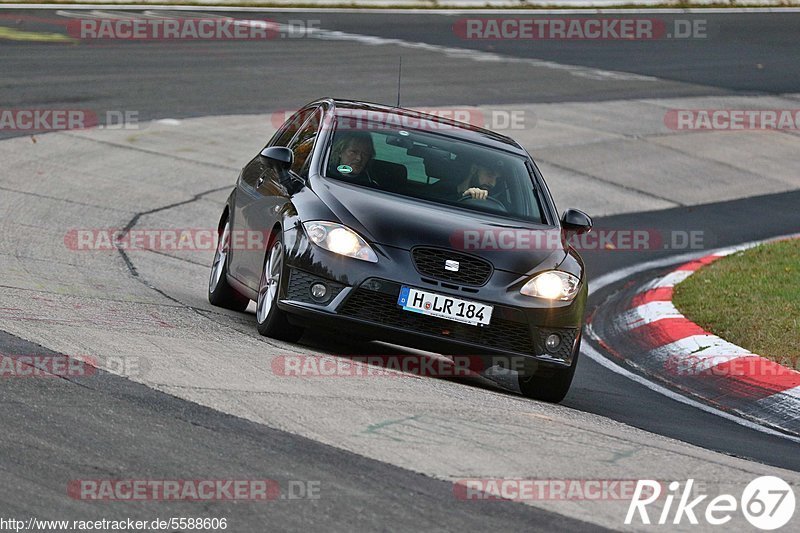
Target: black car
column 407, row 228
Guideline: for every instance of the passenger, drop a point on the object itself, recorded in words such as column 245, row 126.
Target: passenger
column 351, row 155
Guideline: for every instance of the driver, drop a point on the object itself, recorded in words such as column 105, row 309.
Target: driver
column 481, row 181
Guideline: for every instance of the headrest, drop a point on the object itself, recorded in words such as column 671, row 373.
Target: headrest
column 388, row 175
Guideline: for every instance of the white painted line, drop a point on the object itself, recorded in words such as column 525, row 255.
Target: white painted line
column 788, row 394
column 783, row 403
column 733, row 250
column 673, row 278
column 670, row 280
column 478, row 55
column 647, row 314
column 698, row 352
column 703, row 346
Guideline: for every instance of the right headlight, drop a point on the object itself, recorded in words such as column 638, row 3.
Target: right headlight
column 339, row 239
column 552, row 285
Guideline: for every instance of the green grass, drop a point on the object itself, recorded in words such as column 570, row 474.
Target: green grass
column 750, row 298
column 12, row 34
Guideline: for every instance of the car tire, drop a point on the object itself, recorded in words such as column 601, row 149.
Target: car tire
column 220, row 293
column 270, row 320
column 553, row 387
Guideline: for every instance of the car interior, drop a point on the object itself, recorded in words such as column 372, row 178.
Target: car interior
column 422, row 166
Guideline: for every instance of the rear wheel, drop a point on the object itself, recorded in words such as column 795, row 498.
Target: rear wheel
column 552, row 387
column 220, row 293
column 271, row 321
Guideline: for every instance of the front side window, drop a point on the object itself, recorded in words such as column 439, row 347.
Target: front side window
column 303, row 142
column 291, row 126
column 435, row 168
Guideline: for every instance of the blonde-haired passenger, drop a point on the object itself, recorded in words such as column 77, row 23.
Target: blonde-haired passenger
column 351, row 155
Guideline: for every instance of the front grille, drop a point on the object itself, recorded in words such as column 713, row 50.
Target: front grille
column 472, row 270
column 299, row 288
column 381, row 307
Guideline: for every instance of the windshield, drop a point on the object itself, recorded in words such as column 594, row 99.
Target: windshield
column 435, row 168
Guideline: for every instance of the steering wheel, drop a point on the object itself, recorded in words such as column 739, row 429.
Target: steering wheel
column 495, row 204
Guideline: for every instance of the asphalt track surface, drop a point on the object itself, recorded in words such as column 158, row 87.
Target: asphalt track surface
column 128, row 431
column 137, row 425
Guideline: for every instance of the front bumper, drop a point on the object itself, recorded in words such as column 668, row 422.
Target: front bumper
column 367, row 293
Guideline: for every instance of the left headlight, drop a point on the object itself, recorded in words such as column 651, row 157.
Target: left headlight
column 552, row 285
column 339, row 239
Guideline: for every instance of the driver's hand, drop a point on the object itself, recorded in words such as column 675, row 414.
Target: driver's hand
column 476, row 193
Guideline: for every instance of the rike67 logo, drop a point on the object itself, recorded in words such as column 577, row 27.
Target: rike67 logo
column 767, row 503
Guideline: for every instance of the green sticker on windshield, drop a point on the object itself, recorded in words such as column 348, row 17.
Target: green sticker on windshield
column 344, row 169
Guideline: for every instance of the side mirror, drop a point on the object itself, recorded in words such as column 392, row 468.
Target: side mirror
column 280, row 156
column 576, row 221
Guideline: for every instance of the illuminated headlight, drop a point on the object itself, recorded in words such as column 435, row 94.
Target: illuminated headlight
column 340, row 240
column 552, row 285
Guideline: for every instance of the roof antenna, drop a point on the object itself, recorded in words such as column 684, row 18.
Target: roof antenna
column 399, row 73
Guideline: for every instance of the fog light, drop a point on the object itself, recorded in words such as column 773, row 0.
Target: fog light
column 319, row 291
column 552, row 342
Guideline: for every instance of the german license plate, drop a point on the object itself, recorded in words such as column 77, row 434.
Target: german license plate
column 447, row 307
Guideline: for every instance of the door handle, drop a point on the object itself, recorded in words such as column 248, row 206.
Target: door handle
column 260, row 181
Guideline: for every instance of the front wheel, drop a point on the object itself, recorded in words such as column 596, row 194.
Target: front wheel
column 271, row 321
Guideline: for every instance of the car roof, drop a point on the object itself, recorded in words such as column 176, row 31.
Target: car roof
column 396, row 115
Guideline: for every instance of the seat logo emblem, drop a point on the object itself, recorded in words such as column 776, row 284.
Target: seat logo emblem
column 451, row 265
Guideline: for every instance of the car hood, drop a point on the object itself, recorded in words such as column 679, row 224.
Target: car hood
column 402, row 222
